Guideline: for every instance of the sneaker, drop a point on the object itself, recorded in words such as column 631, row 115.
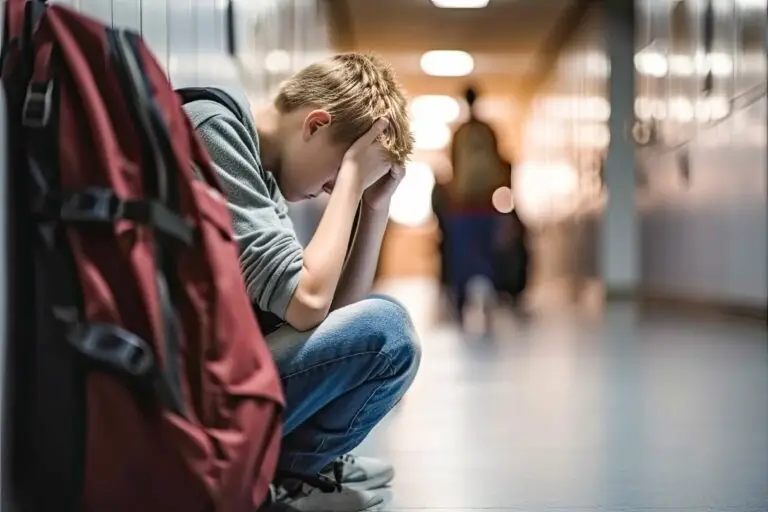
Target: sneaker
column 306, row 494
column 364, row 473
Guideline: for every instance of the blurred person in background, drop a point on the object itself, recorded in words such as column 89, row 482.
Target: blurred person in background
column 469, row 217
column 439, row 199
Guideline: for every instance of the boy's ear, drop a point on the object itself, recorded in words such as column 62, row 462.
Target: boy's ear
column 314, row 121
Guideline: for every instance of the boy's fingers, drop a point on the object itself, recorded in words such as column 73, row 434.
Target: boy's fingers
column 377, row 129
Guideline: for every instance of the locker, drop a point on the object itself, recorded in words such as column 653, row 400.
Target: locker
column 206, row 31
column 127, row 14
column 100, row 9
column 182, row 44
column 154, row 28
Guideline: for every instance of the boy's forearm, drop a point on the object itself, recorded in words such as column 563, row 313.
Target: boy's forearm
column 357, row 278
column 324, row 255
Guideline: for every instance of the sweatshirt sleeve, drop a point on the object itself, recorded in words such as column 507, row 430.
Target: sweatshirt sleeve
column 271, row 256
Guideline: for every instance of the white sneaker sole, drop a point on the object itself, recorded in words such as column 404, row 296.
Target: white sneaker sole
column 376, row 505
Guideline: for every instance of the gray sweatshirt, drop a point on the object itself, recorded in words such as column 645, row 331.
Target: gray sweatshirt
column 271, row 256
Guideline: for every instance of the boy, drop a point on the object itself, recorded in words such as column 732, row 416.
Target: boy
column 345, row 359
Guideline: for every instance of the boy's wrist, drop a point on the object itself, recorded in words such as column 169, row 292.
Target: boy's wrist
column 350, row 175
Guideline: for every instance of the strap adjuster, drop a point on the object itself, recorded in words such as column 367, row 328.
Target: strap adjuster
column 92, row 205
column 37, row 105
column 115, row 347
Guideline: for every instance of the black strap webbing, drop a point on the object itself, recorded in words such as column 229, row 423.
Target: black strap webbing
column 190, row 94
column 161, row 182
column 59, row 373
column 101, row 205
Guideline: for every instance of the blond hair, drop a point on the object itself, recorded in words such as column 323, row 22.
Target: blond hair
column 356, row 89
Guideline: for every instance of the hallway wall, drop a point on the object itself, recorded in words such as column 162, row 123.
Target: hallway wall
column 701, row 154
column 704, row 228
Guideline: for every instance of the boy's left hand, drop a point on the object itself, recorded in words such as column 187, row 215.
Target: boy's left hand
column 378, row 195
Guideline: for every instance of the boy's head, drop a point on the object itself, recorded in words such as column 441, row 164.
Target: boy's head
column 470, row 96
column 325, row 107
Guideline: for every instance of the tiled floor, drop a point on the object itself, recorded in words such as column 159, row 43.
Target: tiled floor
column 581, row 413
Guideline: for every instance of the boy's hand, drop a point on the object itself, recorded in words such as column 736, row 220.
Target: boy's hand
column 378, row 196
column 365, row 159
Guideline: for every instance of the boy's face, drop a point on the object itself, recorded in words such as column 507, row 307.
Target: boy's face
column 311, row 159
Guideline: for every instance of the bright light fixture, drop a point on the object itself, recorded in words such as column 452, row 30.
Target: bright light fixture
column 412, row 201
column 543, row 188
column 681, row 109
column 659, row 65
column 713, row 108
column 431, row 135
column 756, row 4
column 447, row 63
column 433, row 108
column 651, row 63
column 720, row 64
column 277, row 61
column 460, row 4
column 648, row 108
column 681, row 65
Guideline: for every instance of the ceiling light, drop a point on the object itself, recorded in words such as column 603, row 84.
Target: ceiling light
column 651, row 63
column 447, row 63
column 460, row 4
column 681, row 65
column 681, row 109
column 719, row 63
column 444, row 109
column 431, row 135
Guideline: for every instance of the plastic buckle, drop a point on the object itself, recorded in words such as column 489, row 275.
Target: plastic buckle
column 114, row 346
column 95, row 204
column 37, row 105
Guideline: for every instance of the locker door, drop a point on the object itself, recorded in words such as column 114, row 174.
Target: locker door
column 154, row 28
column 206, row 30
column 182, row 54
column 223, row 64
column 100, row 9
column 70, row 3
column 127, row 14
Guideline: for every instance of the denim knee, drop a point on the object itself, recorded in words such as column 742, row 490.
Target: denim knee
column 390, row 322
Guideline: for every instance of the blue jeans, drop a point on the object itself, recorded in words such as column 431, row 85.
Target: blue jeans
column 341, row 379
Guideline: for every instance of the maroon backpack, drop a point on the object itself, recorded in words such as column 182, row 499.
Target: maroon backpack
column 140, row 378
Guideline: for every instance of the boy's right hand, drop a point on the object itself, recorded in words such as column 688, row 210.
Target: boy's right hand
column 365, row 159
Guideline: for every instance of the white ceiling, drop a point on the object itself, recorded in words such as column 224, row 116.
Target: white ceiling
column 504, row 38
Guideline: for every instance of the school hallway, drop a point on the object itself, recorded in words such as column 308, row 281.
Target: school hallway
column 580, row 410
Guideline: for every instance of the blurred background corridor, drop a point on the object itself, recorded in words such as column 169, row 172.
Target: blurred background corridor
column 626, row 369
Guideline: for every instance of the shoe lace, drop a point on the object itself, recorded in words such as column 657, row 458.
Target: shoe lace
column 320, row 482
column 336, row 468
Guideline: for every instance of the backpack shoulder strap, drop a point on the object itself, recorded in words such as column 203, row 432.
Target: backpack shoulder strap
column 190, row 94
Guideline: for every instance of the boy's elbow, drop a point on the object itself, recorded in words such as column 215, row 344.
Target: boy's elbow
column 306, row 310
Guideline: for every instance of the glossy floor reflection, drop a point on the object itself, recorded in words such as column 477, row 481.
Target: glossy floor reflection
column 579, row 412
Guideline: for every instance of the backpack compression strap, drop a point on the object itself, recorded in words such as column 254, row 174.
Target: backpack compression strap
column 190, row 94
